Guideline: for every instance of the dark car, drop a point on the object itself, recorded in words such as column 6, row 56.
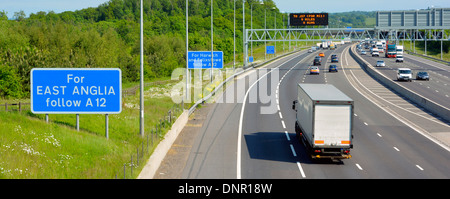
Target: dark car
column 332, row 68
column 422, row 75
column 317, row 62
column 334, row 59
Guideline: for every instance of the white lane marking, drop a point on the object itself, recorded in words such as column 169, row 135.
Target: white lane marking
column 419, row 167
column 281, row 117
column 379, row 135
column 287, row 136
column 239, row 141
column 359, row 167
column 301, row 169
column 366, row 124
column 396, row 148
column 293, row 151
column 238, row 162
column 282, row 122
column 382, row 108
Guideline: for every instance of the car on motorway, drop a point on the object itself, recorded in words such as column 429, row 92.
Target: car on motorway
column 422, row 75
column 314, row 70
column 322, row 54
column 399, row 58
column 332, row 68
column 404, row 74
column 317, row 61
column 380, row 63
column 363, row 52
column 375, row 53
column 310, row 51
column 334, row 58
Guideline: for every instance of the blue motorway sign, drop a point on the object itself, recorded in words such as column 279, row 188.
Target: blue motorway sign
column 76, row 91
column 202, row 60
column 270, row 50
column 250, row 59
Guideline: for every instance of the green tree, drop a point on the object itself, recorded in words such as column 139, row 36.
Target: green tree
column 10, row 86
column 19, row 16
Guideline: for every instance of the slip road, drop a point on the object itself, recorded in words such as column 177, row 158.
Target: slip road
column 226, row 188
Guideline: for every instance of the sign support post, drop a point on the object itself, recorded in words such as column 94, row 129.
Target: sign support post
column 141, row 115
column 107, row 126
column 78, row 122
column 76, row 91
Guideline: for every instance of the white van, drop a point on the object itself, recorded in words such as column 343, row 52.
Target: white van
column 375, row 52
column 404, row 74
column 399, row 58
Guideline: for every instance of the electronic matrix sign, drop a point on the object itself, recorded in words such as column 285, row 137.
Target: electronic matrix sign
column 308, row 19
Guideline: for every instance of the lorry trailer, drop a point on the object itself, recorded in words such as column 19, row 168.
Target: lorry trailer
column 324, row 121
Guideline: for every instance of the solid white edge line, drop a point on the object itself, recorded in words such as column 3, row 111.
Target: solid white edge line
column 239, row 147
column 388, row 112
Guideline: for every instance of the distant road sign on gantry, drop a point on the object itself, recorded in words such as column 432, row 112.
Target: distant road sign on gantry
column 308, row 19
column 76, row 91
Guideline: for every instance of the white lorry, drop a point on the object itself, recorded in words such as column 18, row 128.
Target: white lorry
column 324, row 120
column 325, row 45
column 399, row 50
column 379, row 46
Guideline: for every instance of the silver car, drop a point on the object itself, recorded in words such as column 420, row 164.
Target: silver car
column 380, row 63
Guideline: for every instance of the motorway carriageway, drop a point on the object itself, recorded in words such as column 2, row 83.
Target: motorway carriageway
column 437, row 89
column 237, row 141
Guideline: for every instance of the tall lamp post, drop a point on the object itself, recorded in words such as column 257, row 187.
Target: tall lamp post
column 212, row 42
column 244, row 35
column 141, row 129
column 234, row 35
column 273, row 8
column 251, row 22
column 265, row 36
column 187, row 52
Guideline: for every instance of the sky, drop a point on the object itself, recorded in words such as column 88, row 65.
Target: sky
column 34, row 6
column 330, row 6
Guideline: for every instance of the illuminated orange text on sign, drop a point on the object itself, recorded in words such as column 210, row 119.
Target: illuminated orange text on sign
column 305, row 19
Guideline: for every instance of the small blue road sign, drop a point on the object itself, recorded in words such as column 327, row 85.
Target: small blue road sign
column 270, row 50
column 250, row 59
column 202, row 60
column 76, row 91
